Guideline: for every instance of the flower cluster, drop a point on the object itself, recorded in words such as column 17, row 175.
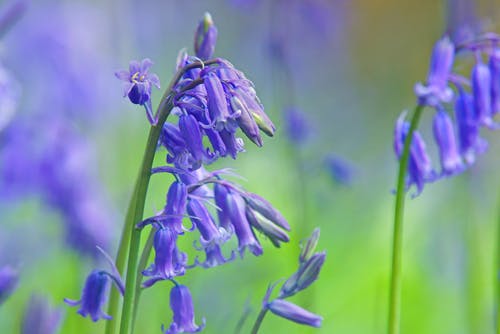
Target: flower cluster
column 310, row 264
column 210, row 100
column 475, row 101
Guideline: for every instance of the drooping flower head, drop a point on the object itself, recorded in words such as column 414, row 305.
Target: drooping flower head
column 93, row 296
column 436, row 90
column 181, row 304
column 474, row 109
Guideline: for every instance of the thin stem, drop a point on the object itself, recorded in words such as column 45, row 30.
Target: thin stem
column 142, row 265
column 397, row 241
column 246, row 312
column 258, row 321
column 496, row 277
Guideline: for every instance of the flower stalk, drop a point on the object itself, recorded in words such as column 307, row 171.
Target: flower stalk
column 397, row 241
column 258, row 321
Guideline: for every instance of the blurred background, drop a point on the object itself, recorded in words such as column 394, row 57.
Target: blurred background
column 70, row 148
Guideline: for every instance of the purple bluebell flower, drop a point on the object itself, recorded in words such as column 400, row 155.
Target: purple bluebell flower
column 419, row 166
column 217, row 104
column 494, row 66
column 9, row 278
column 40, row 317
column 93, row 296
column 481, row 88
column 233, row 144
column 468, row 128
column 181, row 304
column 169, row 261
column 138, row 83
column 204, row 222
column 221, row 194
column 205, row 38
column 192, row 135
column 297, row 127
column 444, row 134
column 341, row 170
column 294, row 313
column 246, row 238
column 436, row 90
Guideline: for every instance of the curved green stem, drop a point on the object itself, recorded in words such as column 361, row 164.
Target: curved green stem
column 258, row 321
column 397, row 241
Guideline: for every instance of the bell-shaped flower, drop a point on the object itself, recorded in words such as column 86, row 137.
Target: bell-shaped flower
column 444, row 134
column 246, row 238
column 436, row 90
column 94, row 296
column 169, row 261
column 481, row 90
column 494, row 66
column 204, row 222
column 181, row 304
column 470, row 142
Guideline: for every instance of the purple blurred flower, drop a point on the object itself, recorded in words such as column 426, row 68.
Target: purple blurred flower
column 494, row 66
column 181, row 304
column 294, row 313
column 9, row 278
column 468, row 128
column 481, row 88
column 138, row 83
column 444, row 134
column 40, row 317
column 419, row 168
column 436, row 89
column 297, row 126
column 205, row 38
column 341, row 170
column 9, row 97
column 93, row 296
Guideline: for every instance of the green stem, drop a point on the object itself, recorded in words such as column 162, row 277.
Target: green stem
column 496, row 277
column 397, row 241
column 142, row 265
column 258, row 321
column 138, row 211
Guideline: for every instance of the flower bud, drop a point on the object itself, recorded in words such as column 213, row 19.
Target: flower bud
column 205, row 38
column 294, row 313
column 310, row 246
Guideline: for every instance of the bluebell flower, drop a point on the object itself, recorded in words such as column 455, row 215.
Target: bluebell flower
column 204, row 222
column 481, row 90
column 205, row 38
column 295, row 313
column 40, row 317
column 444, row 133
column 169, row 261
column 181, row 304
column 494, row 66
column 237, row 213
column 94, row 296
column 420, row 169
column 9, row 278
column 470, row 142
column 138, row 83
column 297, row 127
column 436, row 89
